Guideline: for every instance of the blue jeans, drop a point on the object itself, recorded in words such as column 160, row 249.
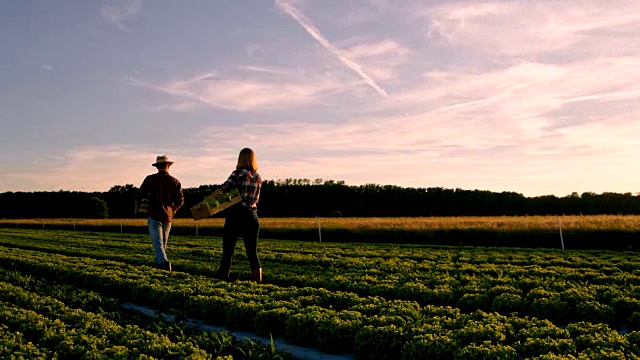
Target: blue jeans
column 159, row 232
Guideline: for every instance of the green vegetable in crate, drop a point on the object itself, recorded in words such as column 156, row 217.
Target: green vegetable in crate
column 214, row 204
column 222, row 198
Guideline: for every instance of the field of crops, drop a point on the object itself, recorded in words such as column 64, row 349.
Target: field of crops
column 60, row 293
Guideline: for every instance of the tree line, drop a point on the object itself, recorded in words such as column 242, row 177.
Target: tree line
column 327, row 198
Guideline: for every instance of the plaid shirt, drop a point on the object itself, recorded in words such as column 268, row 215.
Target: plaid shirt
column 248, row 184
column 164, row 193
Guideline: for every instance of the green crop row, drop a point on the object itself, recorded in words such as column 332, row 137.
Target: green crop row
column 561, row 287
column 72, row 307
column 73, row 333
column 372, row 327
column 220, row 344
column 13, row 345
column 324, row 254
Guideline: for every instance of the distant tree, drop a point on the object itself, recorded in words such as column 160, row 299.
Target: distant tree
column 319, row 197
column 124, row 189
column 120, row 200
column 95, row 208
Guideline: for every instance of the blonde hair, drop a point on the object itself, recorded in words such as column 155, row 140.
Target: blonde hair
column 247, row 160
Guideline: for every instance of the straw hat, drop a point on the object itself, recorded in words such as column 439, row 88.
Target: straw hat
column 162, row 159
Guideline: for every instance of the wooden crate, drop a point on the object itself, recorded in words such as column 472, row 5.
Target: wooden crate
column 143, row 207
column 203, row 209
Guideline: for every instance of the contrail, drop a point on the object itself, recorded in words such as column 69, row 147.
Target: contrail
column 306, row 23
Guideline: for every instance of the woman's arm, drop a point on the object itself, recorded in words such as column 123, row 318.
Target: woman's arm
column 228, row 184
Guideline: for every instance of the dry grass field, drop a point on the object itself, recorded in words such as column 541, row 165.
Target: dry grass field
column 418, row 225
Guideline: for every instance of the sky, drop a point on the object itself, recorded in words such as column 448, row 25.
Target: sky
column 538, row 97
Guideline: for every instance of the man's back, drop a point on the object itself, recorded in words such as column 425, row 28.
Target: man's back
column 164, row 193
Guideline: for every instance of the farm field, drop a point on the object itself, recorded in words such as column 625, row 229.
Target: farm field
column 604, row 232
column 426, row 225
column 376, row 301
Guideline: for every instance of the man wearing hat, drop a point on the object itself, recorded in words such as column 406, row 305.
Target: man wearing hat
column 164, row 193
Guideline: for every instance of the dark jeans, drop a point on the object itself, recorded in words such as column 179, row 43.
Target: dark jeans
column 241, row 221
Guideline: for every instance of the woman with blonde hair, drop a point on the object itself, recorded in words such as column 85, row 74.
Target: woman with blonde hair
column 242, row 219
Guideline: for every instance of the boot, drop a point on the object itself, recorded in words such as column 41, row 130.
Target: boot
column 256, row 275
column 165, row 266
column 223, row 274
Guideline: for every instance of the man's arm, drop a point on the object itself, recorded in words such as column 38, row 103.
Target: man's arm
column 180, row 198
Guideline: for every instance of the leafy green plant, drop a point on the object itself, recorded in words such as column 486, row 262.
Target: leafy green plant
column 222, row 198
column 479, row 331
column 633, row 338
column 301, row 328
column 553, row 309
column 634, row 321
column 336, row 334
column 486, row 351
column 242, row 315
column 255, row 350
column 596, row 336
column 533, row 347
column 594, row 311
column 382, row 343
column 272, row 321
column 552, row 356
column 431, row 346
column 507, row 303
column 473, row 302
